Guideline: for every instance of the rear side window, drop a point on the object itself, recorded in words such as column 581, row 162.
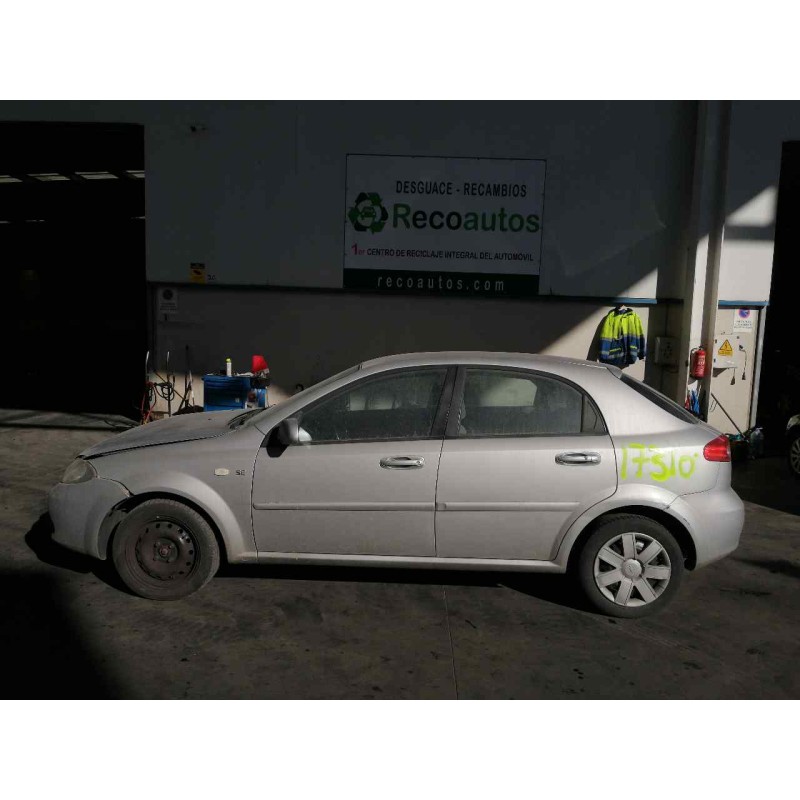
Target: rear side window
column 510, row 403
column 662, row 401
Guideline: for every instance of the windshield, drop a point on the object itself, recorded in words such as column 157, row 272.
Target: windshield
column 250, row 418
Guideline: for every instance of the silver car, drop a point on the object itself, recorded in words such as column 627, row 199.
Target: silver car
column 452, row 460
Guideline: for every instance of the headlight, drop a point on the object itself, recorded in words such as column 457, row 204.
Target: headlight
column 79, row 471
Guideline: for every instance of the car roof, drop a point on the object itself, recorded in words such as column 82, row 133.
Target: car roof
column 480, row 357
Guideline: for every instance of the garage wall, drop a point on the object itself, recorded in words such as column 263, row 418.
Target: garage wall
column 256, row 190
column 307, row 336
column 758, row 131
column 617, row 180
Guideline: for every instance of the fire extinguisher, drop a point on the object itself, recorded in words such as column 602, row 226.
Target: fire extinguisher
column 697, row 363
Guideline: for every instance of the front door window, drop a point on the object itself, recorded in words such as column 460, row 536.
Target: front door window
column 401, row 406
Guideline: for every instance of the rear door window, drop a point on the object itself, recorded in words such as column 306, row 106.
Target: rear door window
column 500, row 402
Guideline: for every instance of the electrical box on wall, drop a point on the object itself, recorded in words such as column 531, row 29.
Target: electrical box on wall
column 666, row 351
column 725, row 349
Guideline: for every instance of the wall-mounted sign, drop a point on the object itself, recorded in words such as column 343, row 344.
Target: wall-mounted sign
column 197, row 272
column 725, row 351
column 743, row 319
column 443, row 225
column 167, row 300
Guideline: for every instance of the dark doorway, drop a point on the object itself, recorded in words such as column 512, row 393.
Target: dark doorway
column 72, row 245
column 779, row 391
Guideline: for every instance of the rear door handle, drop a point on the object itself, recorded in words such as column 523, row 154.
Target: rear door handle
column 576, row 459
column 403, row 462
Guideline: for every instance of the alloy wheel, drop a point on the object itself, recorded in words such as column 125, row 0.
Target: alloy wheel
column 794, row 456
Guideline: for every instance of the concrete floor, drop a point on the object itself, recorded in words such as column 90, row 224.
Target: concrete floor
column 68, row 631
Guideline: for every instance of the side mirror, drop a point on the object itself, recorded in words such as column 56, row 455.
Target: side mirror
column 289, row 431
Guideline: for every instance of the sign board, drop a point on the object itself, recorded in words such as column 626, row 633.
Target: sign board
column 743, row 319
column 725, row 351
column 167, row 300
column 443, row 225
column 197, row 272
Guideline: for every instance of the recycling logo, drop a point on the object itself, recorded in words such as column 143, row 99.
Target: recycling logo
column 368, row 213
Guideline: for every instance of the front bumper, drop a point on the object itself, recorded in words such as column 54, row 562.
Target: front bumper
column 78, row 511
column 715, row 520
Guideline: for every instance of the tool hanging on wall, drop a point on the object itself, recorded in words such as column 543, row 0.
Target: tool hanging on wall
column 722, row 408
column 188, row 386
column 170, row 392
column 148, row 397
column 187, row 404
column 162, row 387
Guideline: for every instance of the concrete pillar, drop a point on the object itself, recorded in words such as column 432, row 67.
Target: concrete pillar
column 706, row 231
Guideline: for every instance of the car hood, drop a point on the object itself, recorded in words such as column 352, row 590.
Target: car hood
column 182, row 428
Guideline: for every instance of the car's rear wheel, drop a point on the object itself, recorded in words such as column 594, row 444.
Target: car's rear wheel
column 631, row 566
column 164, row 550
column 794, row 453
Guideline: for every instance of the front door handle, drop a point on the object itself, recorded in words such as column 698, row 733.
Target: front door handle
column 403, row 462
column 576, row 459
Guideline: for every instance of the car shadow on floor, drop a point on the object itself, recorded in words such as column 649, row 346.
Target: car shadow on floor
column 558, row 589
column 40, row 540
column 774, row 566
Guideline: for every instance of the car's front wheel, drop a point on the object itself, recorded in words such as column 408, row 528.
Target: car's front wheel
column 631, row 566
column 164, row 550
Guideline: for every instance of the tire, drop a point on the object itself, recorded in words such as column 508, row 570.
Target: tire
column 794, row 453
column 164, row 550
column 636, row 594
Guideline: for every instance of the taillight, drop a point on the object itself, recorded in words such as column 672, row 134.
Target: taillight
column 718, row 449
